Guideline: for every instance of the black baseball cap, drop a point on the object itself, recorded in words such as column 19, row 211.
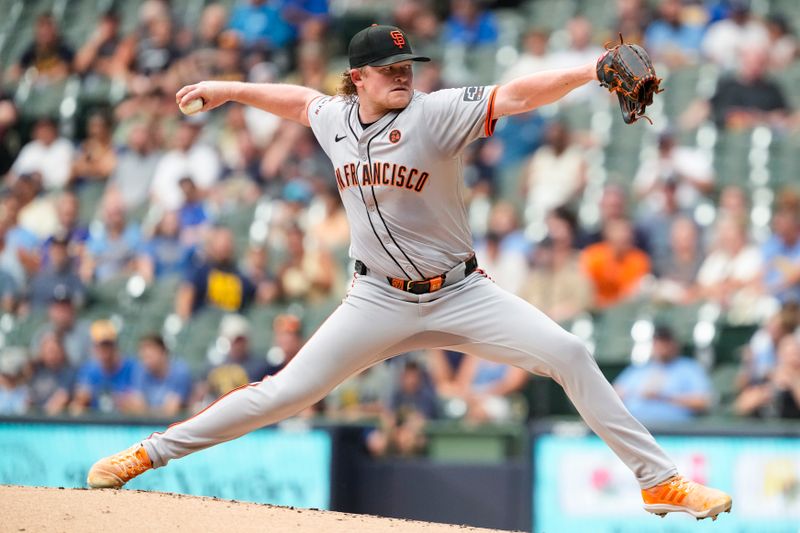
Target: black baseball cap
column 378, row 46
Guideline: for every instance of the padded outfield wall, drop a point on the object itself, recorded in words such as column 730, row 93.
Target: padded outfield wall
column 563, row 479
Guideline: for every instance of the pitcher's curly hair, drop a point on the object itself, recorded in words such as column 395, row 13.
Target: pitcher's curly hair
column 347, row 89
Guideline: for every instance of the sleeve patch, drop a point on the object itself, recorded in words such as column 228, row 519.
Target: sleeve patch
column 473, row 94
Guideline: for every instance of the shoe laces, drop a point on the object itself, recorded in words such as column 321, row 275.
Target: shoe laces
column 681, row 484
column 130, row 463
column 674, row 490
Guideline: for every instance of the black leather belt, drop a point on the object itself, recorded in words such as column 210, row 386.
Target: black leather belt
column 421, row 286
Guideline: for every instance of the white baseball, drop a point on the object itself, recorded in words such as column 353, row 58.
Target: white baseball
column 192, row 107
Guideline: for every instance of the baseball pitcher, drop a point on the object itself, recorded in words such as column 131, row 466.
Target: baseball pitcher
column 396, row 156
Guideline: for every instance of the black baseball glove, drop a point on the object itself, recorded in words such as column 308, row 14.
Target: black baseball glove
column 626, row 69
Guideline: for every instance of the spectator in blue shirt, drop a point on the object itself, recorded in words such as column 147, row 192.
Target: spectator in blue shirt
column 67, row 212
column 61, row 271
column 53, row 377
column 9, row 292
column 25, row 188
column 518, row 137
column 260, row 24
column 62, row 319
column 193, row 217
column 105, row 382
column 165, row 254
column 469, row 25
column 672, row 40
column 19, row 246
column 668, row 388
column 161, row 385
column 781, row 256
column 14, row 391
column 111, row 250
column 300, row 14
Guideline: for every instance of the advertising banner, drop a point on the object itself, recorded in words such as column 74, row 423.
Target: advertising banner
column 267, row 466
column 580, row 485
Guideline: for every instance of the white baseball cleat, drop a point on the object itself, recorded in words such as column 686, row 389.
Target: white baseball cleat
column 114, row 471
column 681, row 495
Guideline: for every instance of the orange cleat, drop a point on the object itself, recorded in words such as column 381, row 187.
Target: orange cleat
column 114, row 471
column 678, row 494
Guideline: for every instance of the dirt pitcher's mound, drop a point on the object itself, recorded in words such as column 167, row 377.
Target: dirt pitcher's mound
column 34, row 509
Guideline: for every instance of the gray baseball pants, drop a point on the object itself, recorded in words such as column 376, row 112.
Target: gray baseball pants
column 376, row 321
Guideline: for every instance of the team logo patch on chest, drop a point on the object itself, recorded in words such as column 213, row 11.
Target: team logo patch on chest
column 394, row 136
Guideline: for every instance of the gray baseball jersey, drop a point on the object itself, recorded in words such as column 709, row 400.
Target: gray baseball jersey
column 401, row 178
column 401, row 183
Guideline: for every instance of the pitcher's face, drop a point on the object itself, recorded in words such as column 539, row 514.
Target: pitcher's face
column 389, row 87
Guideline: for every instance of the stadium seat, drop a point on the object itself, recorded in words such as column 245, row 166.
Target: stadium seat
column 197, row 336
column 20, row 330
column 578, row 116
column 452, row 442
column 546, row 398
column 612, row 331
column 79, row 19
column 161, row 294
column 680, row 318
column 730, row 341
column 680, row 88
column 261, row 318
column 238, row 220
column 109, row 292
column 723, row 379
column 622, row 154
column 789, row 9
column 789, row 80
column 784, row 160
column 731, row 157
column 36, row 101
column 315, row 313
column 613, row 369
column 128, row 15
column 21, row 34
column 89, row 195
column 550, row 14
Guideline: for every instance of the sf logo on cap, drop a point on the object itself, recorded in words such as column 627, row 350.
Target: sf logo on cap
column 398, row 38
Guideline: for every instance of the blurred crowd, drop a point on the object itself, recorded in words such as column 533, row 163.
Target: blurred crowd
column 236, row 211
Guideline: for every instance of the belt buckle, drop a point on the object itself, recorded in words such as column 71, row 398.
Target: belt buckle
column 434, row 284
column 423, row 284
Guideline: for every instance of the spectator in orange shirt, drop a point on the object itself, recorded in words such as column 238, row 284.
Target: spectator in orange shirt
column 614, row 265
